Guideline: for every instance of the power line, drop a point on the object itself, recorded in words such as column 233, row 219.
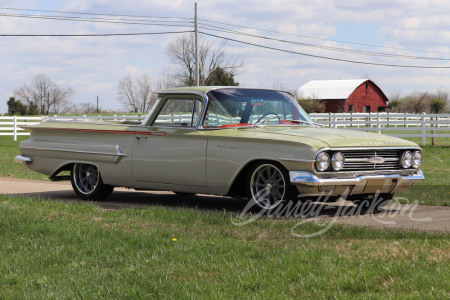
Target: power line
column 182, row 22
column 321, row 39
column 100, row 20
column 325, row 57
column 209, row 21
column 363, row 52
column 93, row 35
column 91, row 14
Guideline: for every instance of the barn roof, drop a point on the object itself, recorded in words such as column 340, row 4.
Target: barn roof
column 330, row 89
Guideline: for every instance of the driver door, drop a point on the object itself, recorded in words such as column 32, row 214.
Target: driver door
column 172, row 150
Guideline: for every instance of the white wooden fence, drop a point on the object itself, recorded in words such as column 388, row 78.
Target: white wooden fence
column 400, row 125
column 11, row 125
column 395, row 124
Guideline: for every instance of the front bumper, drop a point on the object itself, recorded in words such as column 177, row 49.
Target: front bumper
column 359, row 185
column 306, row 178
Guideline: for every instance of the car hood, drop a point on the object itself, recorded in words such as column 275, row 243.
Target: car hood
column 339, row 137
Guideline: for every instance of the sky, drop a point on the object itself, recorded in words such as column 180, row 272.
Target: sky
column 318, row 38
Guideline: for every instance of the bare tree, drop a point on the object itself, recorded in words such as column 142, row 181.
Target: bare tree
column 418, row 102
column 164, row 82
column 25, row 94
column 135, row 94
column 87, row 108
column 182, row 53
column 46, row 95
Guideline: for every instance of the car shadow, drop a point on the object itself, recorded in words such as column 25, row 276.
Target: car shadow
column 214, row 204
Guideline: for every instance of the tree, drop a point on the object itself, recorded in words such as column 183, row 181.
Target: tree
column 437, row 106
column 312, row 106
column 136, row 94
column 45, row 95
column 419, row 102
column 394, row 105
column 221, row 77
column 32, row 109
column 16, row 107
column 87, row 108
column 214, row 63
column 309, row 104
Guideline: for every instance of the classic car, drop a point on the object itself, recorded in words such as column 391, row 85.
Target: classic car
column 256, row 144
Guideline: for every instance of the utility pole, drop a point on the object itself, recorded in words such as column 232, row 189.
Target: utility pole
column 97, row 105
column 197, row 64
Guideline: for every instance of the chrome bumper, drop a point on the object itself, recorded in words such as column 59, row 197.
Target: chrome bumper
column 22, row 159
column 309, row 179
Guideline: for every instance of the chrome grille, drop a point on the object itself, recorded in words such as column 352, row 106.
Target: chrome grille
column 362, row 160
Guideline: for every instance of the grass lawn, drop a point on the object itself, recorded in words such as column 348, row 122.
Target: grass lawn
column 67, row 250
column 58, row 250
column 9, row 168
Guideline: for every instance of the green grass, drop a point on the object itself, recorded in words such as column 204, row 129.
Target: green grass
column 8, row 168
column 60, row 250
column 435, row 189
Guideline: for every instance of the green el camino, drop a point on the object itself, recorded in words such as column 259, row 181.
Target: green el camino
column 250, row 143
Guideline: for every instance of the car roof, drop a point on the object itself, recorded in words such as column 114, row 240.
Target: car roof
column 201, row 89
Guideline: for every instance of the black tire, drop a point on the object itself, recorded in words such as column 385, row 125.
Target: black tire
column 268, row 184
column 87, row 182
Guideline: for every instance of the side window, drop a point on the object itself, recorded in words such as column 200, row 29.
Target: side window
column 179, row 113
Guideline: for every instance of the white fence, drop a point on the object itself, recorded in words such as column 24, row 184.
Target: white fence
column 394, row 124
column 11, row 125
column 400, row 125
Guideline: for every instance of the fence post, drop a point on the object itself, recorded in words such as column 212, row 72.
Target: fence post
column 424, row 131
column 15, row 129
column 378, row 123
column 433, row 140
column 334, row 121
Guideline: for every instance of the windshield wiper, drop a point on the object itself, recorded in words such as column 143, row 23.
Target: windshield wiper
column 265, row 120
column 304, row 122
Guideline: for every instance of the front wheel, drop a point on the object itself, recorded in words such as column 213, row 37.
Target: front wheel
column 268, row 185
column 87, row 182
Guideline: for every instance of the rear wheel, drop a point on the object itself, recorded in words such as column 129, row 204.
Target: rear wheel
column 87, row 182
column 268, row 185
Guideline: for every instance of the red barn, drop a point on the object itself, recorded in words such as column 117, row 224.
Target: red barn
column 357, row 95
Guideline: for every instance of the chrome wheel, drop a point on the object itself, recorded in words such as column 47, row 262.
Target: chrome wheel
column 267, row 185
column 87, row 182
column 86, row 178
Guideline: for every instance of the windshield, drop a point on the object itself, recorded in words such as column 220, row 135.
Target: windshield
column 244, row 107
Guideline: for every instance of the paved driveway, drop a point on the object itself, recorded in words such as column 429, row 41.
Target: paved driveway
column 399, row 216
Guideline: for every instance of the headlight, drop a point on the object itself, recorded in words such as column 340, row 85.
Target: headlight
column 322, row 161
column 417, row 159
column 338, row 161
column 406, row 159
